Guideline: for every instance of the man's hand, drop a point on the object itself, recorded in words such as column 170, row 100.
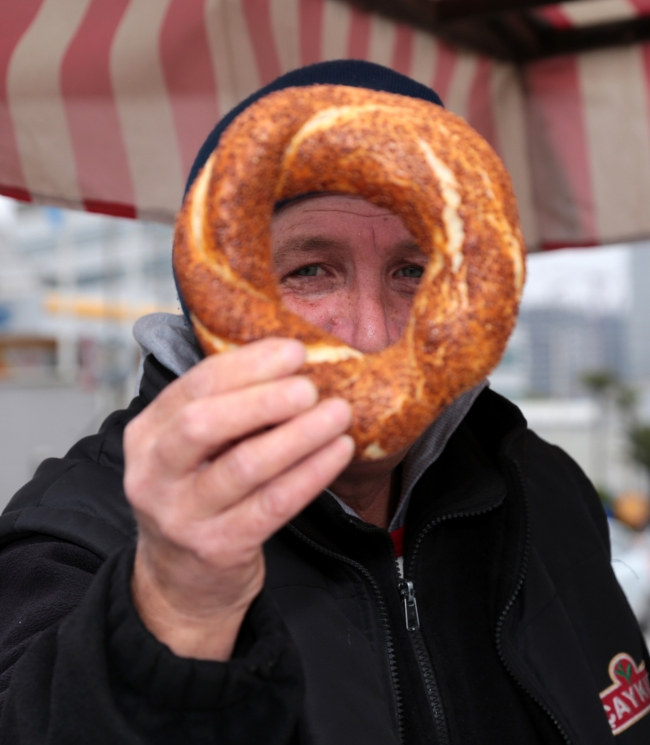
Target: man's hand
column 222, row 459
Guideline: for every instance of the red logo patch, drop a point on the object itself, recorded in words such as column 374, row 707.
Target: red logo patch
column 628, row 698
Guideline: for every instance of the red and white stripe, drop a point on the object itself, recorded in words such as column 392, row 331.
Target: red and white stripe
column 592, row 12
column 104, row 103
column 589, row 137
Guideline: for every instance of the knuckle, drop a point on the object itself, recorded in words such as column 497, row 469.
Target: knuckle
column 191, row 425
column 137, row 485
column 272, row 404
column 217, row 550
column 170, row 526
column 196, row 384
column 274, row 500
column 200, row 381
column 168, row 522
column 133, row 476
column 243, row 465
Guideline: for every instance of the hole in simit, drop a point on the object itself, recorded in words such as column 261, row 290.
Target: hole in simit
column 347, row 266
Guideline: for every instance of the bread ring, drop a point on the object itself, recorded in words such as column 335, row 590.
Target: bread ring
column 403, row 154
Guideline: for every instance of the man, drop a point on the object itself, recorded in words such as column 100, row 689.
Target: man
column 246, row 608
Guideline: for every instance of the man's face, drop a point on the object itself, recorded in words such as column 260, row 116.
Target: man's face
column 347, row 266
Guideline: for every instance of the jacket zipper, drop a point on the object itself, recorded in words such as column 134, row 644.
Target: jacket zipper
column 383, row 617
column 412, row 619
column 411, row 614
column 408, row 595
column 510, row 603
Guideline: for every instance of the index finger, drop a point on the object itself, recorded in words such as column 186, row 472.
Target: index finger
column 257, row 362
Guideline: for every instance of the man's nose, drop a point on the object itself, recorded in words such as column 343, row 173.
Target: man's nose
column 368, row 324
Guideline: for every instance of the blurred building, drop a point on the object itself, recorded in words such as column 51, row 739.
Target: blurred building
column 62, row 263
column 565, row 344
column 71, row 286
column 552, row 348
column 638, row 319
column 591, row 312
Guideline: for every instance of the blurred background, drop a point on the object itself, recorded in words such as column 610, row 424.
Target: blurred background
column 578, row 363
column 71, row 286
column 104, row 104
column 73, row 283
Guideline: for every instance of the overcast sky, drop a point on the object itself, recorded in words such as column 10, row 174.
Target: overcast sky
column 7, row 208
column 591, row 279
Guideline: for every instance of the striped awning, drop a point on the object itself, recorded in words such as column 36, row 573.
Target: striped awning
column 104, row 103
column 592, row 12
column 589, row 145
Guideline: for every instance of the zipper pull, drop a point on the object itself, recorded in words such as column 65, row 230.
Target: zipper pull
column 410, row 605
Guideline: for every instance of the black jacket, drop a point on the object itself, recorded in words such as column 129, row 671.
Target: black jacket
column 507, row 548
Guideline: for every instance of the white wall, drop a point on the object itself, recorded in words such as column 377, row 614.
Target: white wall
column 38, row 422
column 594, row 438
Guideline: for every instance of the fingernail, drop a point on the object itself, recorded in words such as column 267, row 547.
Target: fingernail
column 292, row 352
column 302, row 392
column 339, row 410
column 347, row 444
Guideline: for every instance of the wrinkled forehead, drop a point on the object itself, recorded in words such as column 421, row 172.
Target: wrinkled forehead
column 334, row 201
column 338, row 221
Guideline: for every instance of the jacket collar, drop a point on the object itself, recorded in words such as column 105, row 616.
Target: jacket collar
column 467, row 478
column 425, row 451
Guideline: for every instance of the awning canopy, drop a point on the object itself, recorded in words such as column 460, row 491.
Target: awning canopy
column 522, row 30
column 104, row 103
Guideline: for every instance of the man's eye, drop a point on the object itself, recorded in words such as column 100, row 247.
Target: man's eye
column 307, row 271
column 411, row 272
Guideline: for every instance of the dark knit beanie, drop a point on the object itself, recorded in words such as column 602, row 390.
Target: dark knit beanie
column 355, row 73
